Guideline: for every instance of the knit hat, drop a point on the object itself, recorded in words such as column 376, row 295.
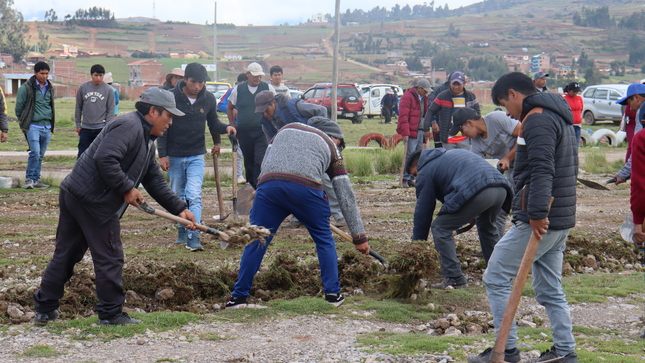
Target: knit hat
column 327, row 126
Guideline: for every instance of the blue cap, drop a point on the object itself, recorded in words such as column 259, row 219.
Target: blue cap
column 633, row 89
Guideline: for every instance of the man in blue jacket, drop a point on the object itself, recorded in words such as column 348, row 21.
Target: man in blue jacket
column 182, row 148
column 546, row 168
column 94, row 196
column 468, row 187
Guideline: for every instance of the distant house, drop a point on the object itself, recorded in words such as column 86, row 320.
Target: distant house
column 68, row 51
column 263, row 56
column 13, row 81
column 395, row 54
column 33, row 58
column 318, row 18
column 232, row 57
column 6, row 59
column 146, row 72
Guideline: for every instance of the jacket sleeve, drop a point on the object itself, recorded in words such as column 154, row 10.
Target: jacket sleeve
column 424, row 210
column 433, row 108
column 4, row 125
column 403, row 127
column 215, row 126
column 541, row 140
column 310, row 110
column 159, row 190
column 347, row 202
column 20, row 100
column 79, row 106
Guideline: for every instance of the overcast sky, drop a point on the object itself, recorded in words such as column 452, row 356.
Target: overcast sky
column 238, row 12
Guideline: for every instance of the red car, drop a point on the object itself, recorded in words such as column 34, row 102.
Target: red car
column 350, row 103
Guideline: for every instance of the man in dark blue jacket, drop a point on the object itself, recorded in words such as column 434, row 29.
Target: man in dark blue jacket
column 468, row 187
column 94, row 196
column 546, row 167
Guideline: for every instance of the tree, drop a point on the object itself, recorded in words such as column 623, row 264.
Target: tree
column 13, row 31
column 43, row 41
column 50, row 16
column 448, row 61
column 593, row 76
column 414, row 64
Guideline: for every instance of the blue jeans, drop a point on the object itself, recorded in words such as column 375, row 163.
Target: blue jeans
column 38, row 138
column 186, row 175
column 274, row 201
column 547, row 281
column 413, row 145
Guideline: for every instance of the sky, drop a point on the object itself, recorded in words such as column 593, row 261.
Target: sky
column 238, row 12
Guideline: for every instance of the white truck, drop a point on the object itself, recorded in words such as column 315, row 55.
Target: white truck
column 372, row 95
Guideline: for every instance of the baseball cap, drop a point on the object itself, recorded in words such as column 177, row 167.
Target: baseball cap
column 263, row 100
column 255, row 69
column 175, row 72
column 160, row 97
column 540, row 75
column 457, row 77
column 196, row 71
column 574, row 86
column 425, row 84
column 459, row 118
column 633, row 89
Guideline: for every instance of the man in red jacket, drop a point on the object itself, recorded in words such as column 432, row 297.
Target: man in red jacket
column 412, row 109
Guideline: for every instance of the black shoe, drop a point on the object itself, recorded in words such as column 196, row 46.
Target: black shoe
column 550, row 356
column 335, row 299
column 44, row 318
column 455, row 282
column 236, row 302
column 510, row 355
column 119, row 319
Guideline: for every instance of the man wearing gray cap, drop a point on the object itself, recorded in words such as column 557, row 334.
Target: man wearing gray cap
column 94, row 196
column 291, row 183
column 249, row 130
column 539, row 79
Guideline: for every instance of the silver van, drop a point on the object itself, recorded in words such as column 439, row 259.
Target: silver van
column 600, row 103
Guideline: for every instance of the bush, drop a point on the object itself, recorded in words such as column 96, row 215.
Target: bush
column 389, row 161
column 359, row 164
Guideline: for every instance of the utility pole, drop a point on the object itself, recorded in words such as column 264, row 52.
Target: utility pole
column 334, row 89
column 215, row 43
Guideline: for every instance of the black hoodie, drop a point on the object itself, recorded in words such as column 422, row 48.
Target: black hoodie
column 546, row 163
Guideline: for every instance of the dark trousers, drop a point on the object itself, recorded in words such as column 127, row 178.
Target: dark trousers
column 254, row 146
column 85, row 139
column 386, row 111
column 485, row 206
column 77, row 231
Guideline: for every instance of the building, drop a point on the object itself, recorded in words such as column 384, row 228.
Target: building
column 146, row 72
column 13, row 81
column 540, row 63
column 318, row 18
column 232, row 57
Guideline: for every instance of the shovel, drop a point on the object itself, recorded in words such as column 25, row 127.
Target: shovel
column 218, row 186
column 210, row 230
column 242, row 198
column 234, row 147
column 347, row 237
column 592, row 184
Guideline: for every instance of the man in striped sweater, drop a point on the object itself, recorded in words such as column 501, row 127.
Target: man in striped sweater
column 291, row 183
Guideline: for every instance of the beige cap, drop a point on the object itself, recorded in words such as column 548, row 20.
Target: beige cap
column 255, row 69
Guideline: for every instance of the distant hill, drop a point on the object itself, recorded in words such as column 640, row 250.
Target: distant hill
column 490, row 28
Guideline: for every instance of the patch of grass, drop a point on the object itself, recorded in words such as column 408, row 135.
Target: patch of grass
column 596, row 162
column 359, row 163
column 393, row 310
column 157, row 322
column 412, row 344
column 41, row 351
column 389, row 161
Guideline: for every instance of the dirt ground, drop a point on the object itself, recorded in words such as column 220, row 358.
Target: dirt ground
column 28, row 233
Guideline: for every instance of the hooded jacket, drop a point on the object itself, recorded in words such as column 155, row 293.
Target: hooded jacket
column 441, row 109
column 454, row 178
column 546, row 162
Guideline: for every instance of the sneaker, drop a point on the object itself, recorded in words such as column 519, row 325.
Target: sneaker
column 236, row 302
column 192, row 242
column 241, row 181
column 550, row 356
column 340, row 222
column 182, row 235
column 119, row 319
column 29, row 184
column 335, row 299
column 195, row 248
column 44, row 318
column 456, row 282
column 510, row 356
column 40, row 184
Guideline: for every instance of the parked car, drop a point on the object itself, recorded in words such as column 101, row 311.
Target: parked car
column 350, row 103
column 600, row 103
column 373, row 94
column 219, row 89
column 295, row 93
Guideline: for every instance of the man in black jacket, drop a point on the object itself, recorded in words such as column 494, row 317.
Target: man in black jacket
column 546, row 167
column 182, row 147
column 94, row 196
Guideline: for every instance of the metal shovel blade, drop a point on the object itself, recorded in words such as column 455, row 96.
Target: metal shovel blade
column 627, row 229
column 245, row 196
column 592, row 184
